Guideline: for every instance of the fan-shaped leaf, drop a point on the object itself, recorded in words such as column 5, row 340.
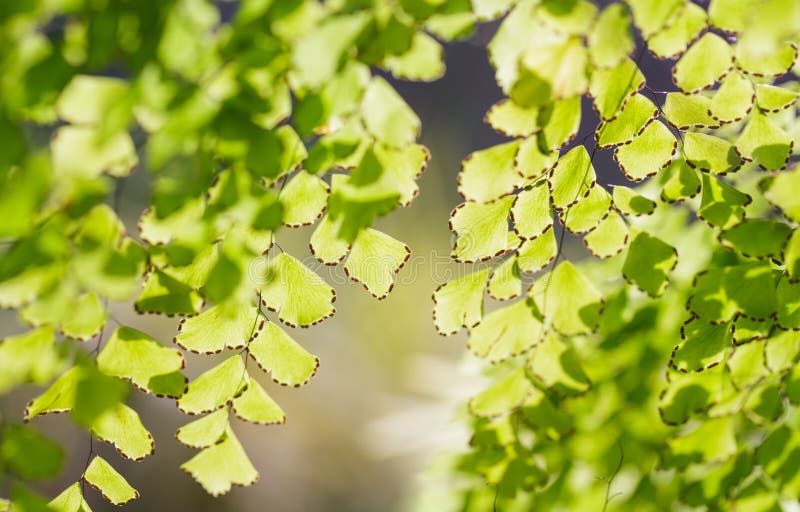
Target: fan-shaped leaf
column 556, row 364
column 215, row 387
column 777, row 61
column 256, row 406
column 505, row 282
column 572, row 178
column 721, row 293
column 481, row 229
column 721, row 205
column 734, row 99
column 560, row 122
column 28, row 357
column 531, row 212
column 374, row 260
column 513, row 120
column 490, row 173
column 757, row 238
column 703, row 346
column 705, row 62
column 506, row 332
column 685, row 26
column 299, row 295
column 627, row 201
column 649, row 152
column 108, row 482
column 649, row 262
column 637, row 113
column 609, row 237
column 504, row 396
column 588, row 212
column 611, row 37
column 280, row 355
column 205, row 431
column 459, row 303
column 568, row 300
column 682, row 182
column 70, row 500
column 422, row 62
column 765, row 143
column 531, row 161
column 780, row 191
column 612, row 88
column 122, row 427
column 304, row 198
column 772, row 98
column 387, row 116
column 166, row 295
column 221, row 465
column 226, row 325
column 709, row 153
column 684, row 111
column 651, row 16
column 713, row 440
column 535, row 254
column 150, row 366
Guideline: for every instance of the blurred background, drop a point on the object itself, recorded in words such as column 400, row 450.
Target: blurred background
column 389, row 391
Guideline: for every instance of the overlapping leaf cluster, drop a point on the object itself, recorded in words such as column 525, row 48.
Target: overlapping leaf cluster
column 250, row 117
column 662, row 370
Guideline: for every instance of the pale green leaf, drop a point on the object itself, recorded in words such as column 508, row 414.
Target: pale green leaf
column 256, row 406
column 94, row 100
column 757, row 238
column 215, row 387
column 304, row 199
column 609, row 238
column 531, row 212
column 205, row 431
column 573, row 18
column 325, row 245
column 682, row 182
column 734, row 99
column 299, row 295
column 721, row 205
column 747, row 364
column 422, row 62
column 506, row 332
column 30, row 356
column 684, row 111
column 121, row 427
column 637, row 113
column 557, row 72
column 651, row 151
column 612, row 88
column 788, row 296
column 650, row 16
column 629, row 202
column 704, row 345
column 713, row 440
column 765, row 143
column 791, row 258
column 108, row 482
column 555, row 362
column 166, row 295
column 505, row 283
column 513, row 120
column 572, row 178
column 374, row 261
column 277, row 353
column 150, row 366
column 535, row 254
column 226, row 325
column 531, row 161
column 502, row 397
column 781, row 191
column 730, row 15
column 70, row 500
column 705, row 62
column 672, row 40
column 459, row 303
column 611, row 38
column 481, row 229
column 709, row 153
column 84, row 152
column 568, row 300
column 221, row 465
column 773, row 98
column 752, row 58
column 317, row 54
column 588, row 212
column 387, row 116
column 490, row 173
column 721, row 293
column 560, row 122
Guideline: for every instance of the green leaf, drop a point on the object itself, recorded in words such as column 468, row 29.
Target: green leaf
column 221, row 465
column 568, row 300
column 325, row 245
column 95, row 100
column 531, row 161
column 59, row 397
column 556, row 364
column 28, row 454
column 28, row 357
column 791, row 258
column 685, row 26
column 108, row 482
column 781, row 350
column 751, row 58
column 609, row 238
column 317, row 54
column 374, row 260
column 757, row 238
column 226, row 325
column 387, row 116
column 703, row 346
column 685, row 111
column 772, row 98
column 531, row 211
column 612, row 88
column 651, row 151
column 121, row 427
column 730, row 15
column 304, row 198
column 459, row 303
column 788, row 296
column 780, row 191
column 280, row 355
column 628, row 202
column 705, row 62
column 166, row 295
column 150, row 366
column 506, row 332
column 650, row 16
column 557, row 72
column 70, row 500
column 272, row 154
column 560, row 122
column 481, row 229
column 205, row 431
column 709, row 153
column 734, row 99
column 535, row 254
column 721, row 293
column 489, row 174
column 83, row 152
column 649, row 262
column 713, row 440
column 588, row 212
column 513, row 120
column 611, row 38
column 747, row 329
column 573, row 18
column 215, row 387
column 688, row 394
column 637, row 113
column 422, row 62
column 299, row 295
column 721, row 205
column 256, row 406
column 504, row 396
column 572, row 178
column 765, row 143
column 505, row 282
column 682, row 182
